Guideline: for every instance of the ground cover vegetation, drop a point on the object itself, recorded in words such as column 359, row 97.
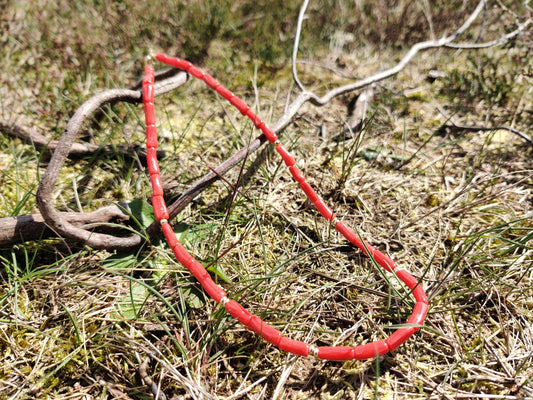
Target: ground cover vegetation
column 435, row 170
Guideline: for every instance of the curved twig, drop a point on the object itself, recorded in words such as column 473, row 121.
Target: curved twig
column 493, row 43
column 154, row 387
column 446, row 41
column 44, row 194
column 301, row 16
column 429, row 44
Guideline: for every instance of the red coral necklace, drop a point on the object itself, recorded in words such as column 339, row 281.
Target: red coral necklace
column 253, row 322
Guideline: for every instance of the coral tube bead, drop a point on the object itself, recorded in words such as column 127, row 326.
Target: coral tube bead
column 182, row 255
column 196, row 72
column 162, row 58
column 323, row 209
column 160, row 208
column 210, row 81
column 239, row 105
column 172, row 240
column 149, row 114
column 148, row 74
column 382, row 260
column 420, row 295
column 296, row 174
column 270, row 334
column 199, row 272
column 213, row 290
column 399, row 337
column 269, row 133
column 267, row 332
column 173, row 61
column 411, row 282
column 226, row 93
column 338, row 353
column 148, row 91
column 349, row 234
column 157, row 187
column 371, row 350
column 294, row 346
column 151, row 136
column 309, row 191
column 255, row 324
column 151, row 161
column 284, row 153
column 418, row 316
column 254, row 118
column 238, row 312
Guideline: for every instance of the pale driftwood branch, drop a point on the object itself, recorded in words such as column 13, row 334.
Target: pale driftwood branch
column 493, row 43
column 299, row 24
column 446, row 41
column 429, row 44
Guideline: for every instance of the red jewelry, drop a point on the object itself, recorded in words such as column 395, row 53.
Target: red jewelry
column 253, row 322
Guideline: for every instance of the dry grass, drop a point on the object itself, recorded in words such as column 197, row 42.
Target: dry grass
column 454, row 207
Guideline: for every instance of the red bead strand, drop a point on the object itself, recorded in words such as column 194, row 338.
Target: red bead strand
column 253, row 322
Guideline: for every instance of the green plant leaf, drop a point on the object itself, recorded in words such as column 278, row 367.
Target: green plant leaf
column 219, row 273
column 142, row 211
column 194, row 296
column 120, row 262
column 181, row 230
column 128, row 306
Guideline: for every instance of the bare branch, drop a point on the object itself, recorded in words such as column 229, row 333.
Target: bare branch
column 78, row 150
column 429, row 44
column 301, row 16
column 32, row 227
column 44, row 194
column 493, row 43
column 475, row 128
column 446, row 41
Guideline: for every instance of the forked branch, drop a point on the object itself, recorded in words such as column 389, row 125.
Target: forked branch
column 54, row 220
